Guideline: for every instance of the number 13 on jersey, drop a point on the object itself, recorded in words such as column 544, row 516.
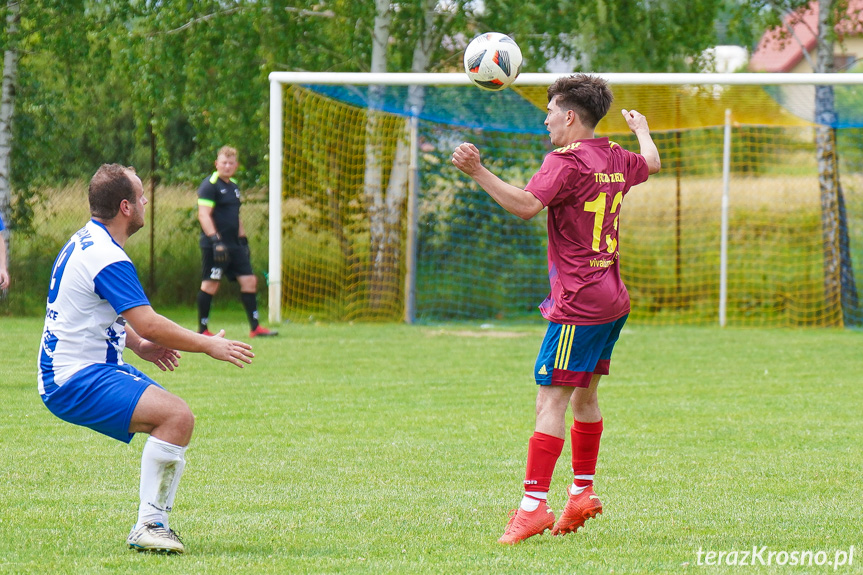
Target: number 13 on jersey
column 597, row 206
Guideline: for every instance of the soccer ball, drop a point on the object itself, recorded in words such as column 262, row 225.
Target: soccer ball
column 492, row 61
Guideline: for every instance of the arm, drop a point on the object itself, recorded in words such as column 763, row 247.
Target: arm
column 208, row 226
column 515, row 200
column 4, row 273
column 205, row 218
column 149, row 325
column 638, row 124
column 163, row 357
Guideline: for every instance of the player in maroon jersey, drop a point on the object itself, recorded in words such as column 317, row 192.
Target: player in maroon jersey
column 582, row 183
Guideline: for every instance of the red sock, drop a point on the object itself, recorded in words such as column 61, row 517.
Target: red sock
column 585, row 449
column 543, row 452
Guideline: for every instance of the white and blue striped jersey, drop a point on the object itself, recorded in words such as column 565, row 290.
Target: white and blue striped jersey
column 92, row 282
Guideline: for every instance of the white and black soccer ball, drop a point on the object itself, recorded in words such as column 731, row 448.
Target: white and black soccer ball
column 492, row 61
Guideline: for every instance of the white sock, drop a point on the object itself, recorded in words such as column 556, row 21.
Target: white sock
column 575, row 489
column 162, row 465
column 172, row 491
column 531, row 499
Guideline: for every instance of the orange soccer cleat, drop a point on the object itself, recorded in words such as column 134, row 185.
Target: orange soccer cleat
column 579, row 508
column 523, row 524
column 261, row 331
column 207, row 333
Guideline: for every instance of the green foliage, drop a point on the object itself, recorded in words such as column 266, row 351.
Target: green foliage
column 666, row 36
column 285, row 475
column 543, row 30
column 409, row 27
column 98, row 80
column 610, row 36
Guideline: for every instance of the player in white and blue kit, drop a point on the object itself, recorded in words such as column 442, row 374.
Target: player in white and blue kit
column 96, row 308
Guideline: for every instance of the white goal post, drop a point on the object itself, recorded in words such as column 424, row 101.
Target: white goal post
column 278, row 81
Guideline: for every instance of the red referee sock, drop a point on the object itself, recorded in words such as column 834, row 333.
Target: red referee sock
column 543, row 452
column 585, row 451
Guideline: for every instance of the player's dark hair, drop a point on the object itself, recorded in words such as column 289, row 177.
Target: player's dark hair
column 586, row 95
column 109, row 186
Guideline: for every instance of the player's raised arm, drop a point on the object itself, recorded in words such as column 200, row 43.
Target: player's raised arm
column 160, row 330
column 638, row 124
column 513, row 199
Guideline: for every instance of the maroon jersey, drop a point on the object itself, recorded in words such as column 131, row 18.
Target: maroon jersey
column 583, row 186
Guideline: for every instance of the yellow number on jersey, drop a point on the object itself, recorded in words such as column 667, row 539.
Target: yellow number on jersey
column 597, row 206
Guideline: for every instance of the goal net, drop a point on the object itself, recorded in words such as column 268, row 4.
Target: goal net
column 755, row 218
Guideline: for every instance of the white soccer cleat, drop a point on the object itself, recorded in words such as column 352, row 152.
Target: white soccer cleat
column 154, row 537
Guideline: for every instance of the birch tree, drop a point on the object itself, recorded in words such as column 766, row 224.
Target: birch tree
column 425, row 22
column 373, row 176
column 840, row 289
column 7, row 104
column 839, row 283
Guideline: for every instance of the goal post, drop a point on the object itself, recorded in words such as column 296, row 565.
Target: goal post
column 368, row 221
column 274, row 271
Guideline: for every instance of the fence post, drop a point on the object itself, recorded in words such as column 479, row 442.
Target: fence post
column 411, row 247
column 723, row 250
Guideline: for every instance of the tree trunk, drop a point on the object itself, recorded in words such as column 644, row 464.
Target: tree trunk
column 386, row 216
column 840, row 290
column 373, row 176
column 390, row 251
column 7, row 105
column 828, row 184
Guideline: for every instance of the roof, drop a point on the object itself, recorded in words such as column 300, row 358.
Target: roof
column 779, row 51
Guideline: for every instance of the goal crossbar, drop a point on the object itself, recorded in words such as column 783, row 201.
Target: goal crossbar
column 540, row 79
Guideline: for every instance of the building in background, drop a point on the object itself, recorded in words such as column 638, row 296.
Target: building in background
column 785, row 48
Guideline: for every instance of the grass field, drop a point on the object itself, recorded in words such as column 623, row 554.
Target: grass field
column 399, row 449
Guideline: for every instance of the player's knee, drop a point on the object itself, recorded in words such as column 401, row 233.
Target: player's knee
column 586, row 410
column 186, row 417
column 550, row 407
column 182, row 420
column 587, row 402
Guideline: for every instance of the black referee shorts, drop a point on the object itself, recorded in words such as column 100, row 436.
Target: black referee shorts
column 239, row 265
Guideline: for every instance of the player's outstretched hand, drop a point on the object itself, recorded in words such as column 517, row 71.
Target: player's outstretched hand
column 466, row 158
column 165, row 358
column 635, row 120
column 236, row 352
